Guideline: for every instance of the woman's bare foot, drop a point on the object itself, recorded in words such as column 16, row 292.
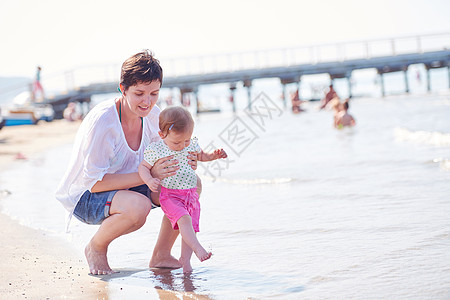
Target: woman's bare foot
column 169, row 262
column 97, row 261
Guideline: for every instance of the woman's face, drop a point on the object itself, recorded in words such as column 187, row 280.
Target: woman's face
column 142, row 97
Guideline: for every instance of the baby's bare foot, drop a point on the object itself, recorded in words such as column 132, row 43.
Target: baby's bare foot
column 202, row 254
column 186, row 265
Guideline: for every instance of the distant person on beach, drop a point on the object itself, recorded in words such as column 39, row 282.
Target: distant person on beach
column 186, row 100
column 102, row 185
column 336, row 107
column 70, row 112
column 296, row 102
column 37, row 86
column 178, row 196
column 418, row 77
column 328, row 96
column 169, row 100
column 343, row 118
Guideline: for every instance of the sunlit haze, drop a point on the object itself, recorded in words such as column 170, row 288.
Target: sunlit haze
column 61, row 35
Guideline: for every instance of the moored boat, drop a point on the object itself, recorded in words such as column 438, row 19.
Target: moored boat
column 23, row 111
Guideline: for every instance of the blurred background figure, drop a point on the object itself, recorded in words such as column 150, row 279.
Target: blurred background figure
column 328, row 96
column 70, row 112
column 186, row 100
column 342, row 117
column 169, row 100
column 296, row 102
column 336, row 106
column 38, row 90
column 418, row 77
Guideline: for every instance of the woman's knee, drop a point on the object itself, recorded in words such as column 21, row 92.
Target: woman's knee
column 134, row 207
column 140, row 209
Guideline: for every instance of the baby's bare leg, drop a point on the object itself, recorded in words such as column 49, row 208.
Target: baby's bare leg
column 185, row 259
column 188, row 235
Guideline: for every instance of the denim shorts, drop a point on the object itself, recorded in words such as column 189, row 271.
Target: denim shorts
column 93, row 208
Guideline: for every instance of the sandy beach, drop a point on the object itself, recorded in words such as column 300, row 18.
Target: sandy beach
column 34, row 264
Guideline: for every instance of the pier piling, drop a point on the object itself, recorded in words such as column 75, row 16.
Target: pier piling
column 405, row 74
column 232, row 100
column 434, row 55
column 248, row 85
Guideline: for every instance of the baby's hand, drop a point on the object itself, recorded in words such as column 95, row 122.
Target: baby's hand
column 153, row 184
column 192, row 159
column 220, row 153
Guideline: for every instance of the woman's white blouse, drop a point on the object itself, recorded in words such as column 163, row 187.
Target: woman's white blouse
column 100, row 148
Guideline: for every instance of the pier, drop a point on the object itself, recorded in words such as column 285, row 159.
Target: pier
column 289, row 65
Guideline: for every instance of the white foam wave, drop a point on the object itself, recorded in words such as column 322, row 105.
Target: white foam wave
column 444, row 163
column 423, row 137
column 253, row 180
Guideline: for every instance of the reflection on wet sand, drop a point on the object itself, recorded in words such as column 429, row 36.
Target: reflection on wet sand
column 166, row 283
column 174, row 280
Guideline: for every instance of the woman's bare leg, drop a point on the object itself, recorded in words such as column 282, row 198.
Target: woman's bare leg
column 161, row 257
column 128, row 213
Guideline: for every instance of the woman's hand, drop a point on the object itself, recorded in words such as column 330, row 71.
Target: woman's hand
column 164, row 167
column 193, row 159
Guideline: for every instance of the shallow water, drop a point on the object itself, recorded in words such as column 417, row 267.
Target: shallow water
column 300, row 210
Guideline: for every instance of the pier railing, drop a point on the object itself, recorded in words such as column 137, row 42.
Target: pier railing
column 258, row 59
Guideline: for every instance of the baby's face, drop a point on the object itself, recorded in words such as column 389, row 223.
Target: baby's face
column 177, row 141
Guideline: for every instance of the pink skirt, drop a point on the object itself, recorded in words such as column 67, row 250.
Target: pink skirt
column 177, row 203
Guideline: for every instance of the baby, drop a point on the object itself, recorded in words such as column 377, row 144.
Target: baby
column 179, row 197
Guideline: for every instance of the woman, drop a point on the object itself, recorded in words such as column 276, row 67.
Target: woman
column 102, row 184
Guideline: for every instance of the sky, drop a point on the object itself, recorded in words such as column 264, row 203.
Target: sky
column 61, row 35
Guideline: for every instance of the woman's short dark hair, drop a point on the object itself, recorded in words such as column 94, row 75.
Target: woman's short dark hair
column 142, row 67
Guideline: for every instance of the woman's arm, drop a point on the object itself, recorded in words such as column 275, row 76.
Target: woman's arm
column 162, row 168
column 112, row 182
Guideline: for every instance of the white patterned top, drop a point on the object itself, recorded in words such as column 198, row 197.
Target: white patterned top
column 101, row 148
column 185, row 177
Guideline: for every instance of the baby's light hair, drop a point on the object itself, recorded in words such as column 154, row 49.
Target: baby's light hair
column 175, row 118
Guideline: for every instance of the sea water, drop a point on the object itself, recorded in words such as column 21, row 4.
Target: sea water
column 300, row 210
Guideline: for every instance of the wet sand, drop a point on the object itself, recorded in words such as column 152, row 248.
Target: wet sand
column 24, row 141
column 35, row 265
